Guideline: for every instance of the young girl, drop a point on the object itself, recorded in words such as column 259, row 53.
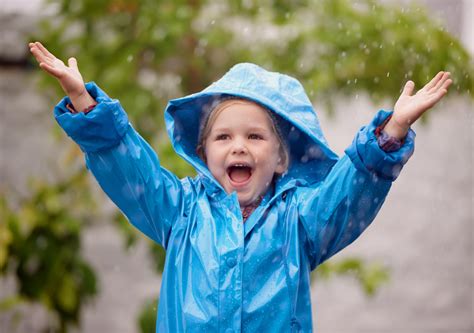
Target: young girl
column 271, row 200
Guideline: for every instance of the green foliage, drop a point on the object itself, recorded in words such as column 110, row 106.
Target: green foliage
column 147, row 317
column 145, row 52
column 40, row 245
column 370, row 276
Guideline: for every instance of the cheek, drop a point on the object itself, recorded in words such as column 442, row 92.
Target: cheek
column 214, row 160
column 268, row 156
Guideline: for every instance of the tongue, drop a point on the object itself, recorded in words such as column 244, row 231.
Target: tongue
column 239, row 175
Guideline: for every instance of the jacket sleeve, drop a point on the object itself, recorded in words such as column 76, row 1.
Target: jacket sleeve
column 124, row 165
column 336, row 211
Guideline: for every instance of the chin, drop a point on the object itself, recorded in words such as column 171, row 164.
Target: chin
column 246, row 199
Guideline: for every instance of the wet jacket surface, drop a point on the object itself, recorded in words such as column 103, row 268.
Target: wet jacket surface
column 223, row 275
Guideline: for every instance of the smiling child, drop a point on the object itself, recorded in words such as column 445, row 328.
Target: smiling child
column 255, row 141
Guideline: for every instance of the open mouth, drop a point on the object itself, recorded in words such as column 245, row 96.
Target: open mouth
column 239, row 173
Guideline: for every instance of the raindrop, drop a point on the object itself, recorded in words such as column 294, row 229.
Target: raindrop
column 139, row 189
column 388, row 74
column 130, row 58
column 314, row 152
column 122, row 149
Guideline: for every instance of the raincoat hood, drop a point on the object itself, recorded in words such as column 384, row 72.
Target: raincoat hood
column 310, row 157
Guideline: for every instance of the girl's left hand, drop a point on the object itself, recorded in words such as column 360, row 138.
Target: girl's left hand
column 409, row 107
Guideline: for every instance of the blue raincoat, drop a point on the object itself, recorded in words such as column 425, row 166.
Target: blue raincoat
column 223, row 275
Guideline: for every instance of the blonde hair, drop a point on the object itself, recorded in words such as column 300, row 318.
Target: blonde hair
column 211, row 116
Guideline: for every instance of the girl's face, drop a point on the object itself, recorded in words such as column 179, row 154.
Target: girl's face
column 243, row 151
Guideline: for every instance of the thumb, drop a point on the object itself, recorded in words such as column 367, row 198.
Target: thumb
column 72, row 62
column 408, row 89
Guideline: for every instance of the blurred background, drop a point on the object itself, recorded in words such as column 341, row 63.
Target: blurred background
column 69, row 262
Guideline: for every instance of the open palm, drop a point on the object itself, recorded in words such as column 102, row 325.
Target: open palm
column 409, row 107
column 69, row 76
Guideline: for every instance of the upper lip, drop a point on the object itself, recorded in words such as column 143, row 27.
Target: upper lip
column 239, row 164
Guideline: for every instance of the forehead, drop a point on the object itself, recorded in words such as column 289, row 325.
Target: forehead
column 239, row 112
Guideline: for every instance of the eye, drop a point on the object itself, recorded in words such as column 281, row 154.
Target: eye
column 254, row 136
column 222, row 137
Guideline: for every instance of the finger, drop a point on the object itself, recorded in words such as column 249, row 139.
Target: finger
column 442, row 81
column 72, row 62
column 37, row 54
column 40, row 58
column 51, row 70
column 44, row 50
column 436, row 97
column 447, row 84
column 408, row 89
column 433, row 81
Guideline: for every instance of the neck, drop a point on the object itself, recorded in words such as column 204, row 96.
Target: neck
column 248, row 209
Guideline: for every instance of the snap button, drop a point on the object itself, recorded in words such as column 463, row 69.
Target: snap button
column 231, row 262
column 295, row 326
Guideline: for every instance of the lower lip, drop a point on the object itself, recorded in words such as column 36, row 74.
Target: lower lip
column 238, row 185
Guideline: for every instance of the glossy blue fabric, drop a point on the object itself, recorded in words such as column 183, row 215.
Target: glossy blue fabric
column 223, row 275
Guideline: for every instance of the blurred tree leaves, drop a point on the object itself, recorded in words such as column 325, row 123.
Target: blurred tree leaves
column 40, row 245
column 145, row 52
column 369, row 275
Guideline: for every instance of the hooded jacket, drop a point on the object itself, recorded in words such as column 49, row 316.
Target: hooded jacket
column 223, row 275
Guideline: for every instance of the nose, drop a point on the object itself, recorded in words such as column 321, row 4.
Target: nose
column 239, row 147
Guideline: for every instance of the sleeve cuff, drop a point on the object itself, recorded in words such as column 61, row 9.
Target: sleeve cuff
column 100, row 129
column 367, row 155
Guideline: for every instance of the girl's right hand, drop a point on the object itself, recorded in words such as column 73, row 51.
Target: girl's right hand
column 69, row 76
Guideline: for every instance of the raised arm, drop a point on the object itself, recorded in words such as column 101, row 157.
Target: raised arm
column 123, row 163
column 337, row 211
